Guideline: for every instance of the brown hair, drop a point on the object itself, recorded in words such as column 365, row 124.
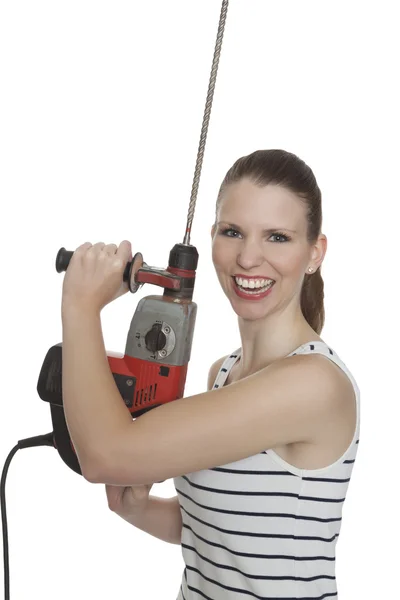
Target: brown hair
column 283, row 168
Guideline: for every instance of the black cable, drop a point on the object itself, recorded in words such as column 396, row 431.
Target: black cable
column 39, row 440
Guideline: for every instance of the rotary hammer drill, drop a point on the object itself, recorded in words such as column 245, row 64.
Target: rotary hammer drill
column 152, row 371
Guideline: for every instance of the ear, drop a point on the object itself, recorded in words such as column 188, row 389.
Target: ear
column 319, row 251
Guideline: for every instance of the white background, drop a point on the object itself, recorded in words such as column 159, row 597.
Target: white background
column 100, row 111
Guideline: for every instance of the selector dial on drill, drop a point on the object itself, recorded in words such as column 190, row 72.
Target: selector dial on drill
column 155, row 339
column 159, row 340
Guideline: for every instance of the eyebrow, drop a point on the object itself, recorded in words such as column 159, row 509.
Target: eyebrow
column 270, row 230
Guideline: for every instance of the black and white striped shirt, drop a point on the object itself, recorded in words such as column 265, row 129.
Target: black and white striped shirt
column 261, row 528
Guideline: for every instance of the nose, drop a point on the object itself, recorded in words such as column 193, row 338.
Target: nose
column 250, row 254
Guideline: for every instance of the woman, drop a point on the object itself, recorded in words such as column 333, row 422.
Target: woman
column 261, row 461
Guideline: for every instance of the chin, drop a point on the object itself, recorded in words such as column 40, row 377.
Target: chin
column 250, row 313
column 251, row 310
column 251, row 318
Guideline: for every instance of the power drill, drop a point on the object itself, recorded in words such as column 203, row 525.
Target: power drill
column 153, row 369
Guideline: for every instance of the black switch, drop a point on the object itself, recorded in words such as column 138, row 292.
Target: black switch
column 164, row 371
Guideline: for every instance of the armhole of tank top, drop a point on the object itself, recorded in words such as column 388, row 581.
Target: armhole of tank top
column 323, row 348
column 225, row 368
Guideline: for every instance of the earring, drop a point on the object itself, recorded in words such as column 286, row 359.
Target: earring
column 310, row 269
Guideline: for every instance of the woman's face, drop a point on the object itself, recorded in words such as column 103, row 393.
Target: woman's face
column 260, row 249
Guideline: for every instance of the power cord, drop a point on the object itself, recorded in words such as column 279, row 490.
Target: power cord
column 39, row 440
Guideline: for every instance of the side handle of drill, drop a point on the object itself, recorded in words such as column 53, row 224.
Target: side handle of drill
column 165, row 278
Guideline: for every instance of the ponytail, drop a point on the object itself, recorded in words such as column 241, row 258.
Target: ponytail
column 312, row 301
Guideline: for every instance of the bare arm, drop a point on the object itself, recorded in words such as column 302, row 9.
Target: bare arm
column 162, row 517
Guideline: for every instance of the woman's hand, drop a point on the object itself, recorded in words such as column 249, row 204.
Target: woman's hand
column 128, row 501
column 94, row 277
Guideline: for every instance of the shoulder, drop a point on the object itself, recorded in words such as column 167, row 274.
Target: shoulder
column 314, row 378
column 326, row 370
column 213, row 371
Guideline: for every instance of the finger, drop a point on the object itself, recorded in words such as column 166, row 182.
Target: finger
column 95, row 251
column 124, row 251
column 110, row 249
column 80, row 252
column 97, row 247
column 83, row 248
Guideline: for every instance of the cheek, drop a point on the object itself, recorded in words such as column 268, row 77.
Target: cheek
column 219, row 252
column 288, row 261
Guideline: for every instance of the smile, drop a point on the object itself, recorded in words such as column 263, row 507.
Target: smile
column 257, row 283
column 254, row 289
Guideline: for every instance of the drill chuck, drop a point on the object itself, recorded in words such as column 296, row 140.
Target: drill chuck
column 183, row 256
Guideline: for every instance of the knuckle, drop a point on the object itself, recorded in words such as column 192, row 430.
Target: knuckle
column 83, row 247
column 117, row 263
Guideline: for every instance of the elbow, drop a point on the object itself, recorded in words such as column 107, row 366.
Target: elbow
column 112, row 465
column 94, row 469
column 95, row 465
column 99, row 472
column 93, row 473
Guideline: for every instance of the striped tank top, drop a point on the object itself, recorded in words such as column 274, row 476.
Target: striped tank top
column 260, row 527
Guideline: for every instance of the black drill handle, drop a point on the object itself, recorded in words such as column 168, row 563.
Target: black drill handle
column 62, row 260
column 64, row 256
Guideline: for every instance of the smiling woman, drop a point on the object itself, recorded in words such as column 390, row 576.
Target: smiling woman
column 262, row 460
column 268, row 221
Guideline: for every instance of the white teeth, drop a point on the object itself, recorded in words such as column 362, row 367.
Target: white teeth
column 253, row 283
column 254, row 286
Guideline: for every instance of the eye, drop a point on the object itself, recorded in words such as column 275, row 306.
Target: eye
column 229, row 229
column 284, row 238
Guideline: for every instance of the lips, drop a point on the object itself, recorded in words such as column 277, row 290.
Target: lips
column 252, row 294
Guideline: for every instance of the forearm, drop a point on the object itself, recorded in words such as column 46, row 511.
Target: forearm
column 160, row 518
column 92, row 404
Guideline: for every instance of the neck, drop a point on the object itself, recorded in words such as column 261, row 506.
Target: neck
column 264, row 341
